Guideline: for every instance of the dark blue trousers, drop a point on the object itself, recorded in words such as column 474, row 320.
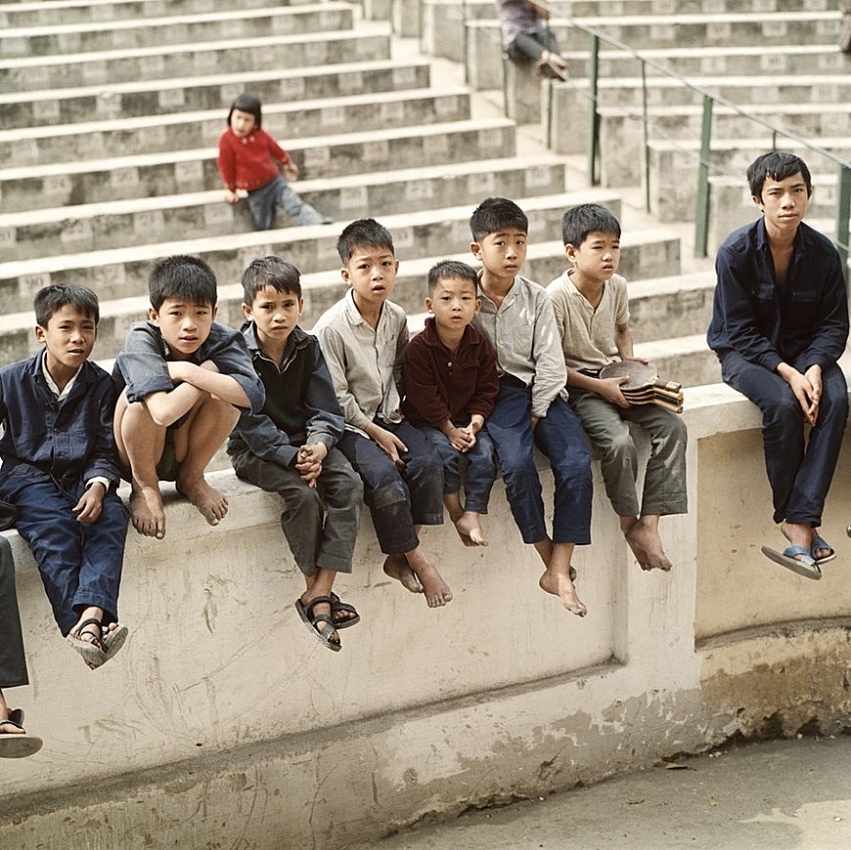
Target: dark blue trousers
column 799, row 469
column 13, row 665
column 80, row 563
column 560, row 437
column 398, row 499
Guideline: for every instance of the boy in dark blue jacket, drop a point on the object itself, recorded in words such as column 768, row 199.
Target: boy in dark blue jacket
column 59, row 468
column 288, row 446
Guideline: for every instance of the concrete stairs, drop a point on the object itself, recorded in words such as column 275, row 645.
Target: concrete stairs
column 108, row 145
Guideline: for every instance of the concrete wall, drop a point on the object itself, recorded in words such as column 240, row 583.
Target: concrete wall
column 224, row 723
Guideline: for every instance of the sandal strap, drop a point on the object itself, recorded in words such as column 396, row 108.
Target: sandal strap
column 11, row 722
column 317, row 600
column 92, row 621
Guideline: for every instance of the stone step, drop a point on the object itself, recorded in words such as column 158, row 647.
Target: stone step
column 685, row 359
column 673, row 199
column 621, row 145
column 370, row 43
column 116, row 224
column 441, row 21
column 175, row 172
column 122, row 272
column 659, row 33
column 156, row 97
column 731, row 60
column 326, row 116
column 151, row 32
column 50, row 12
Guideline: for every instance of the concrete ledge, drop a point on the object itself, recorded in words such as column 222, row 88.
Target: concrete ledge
column 221, row 701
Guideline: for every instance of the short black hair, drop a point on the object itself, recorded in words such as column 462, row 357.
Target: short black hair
column 270, row 271
column 495, row 214
column 777, row 165
column 184, row 278
column 247, row 103
column 54, row 297
column 363, row 233
column 446, row 269
column 583, row 219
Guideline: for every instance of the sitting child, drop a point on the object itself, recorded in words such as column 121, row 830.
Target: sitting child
column 14, row 740
column 526, row 37
column 59, row 469
column 248, row 163
column 449, row 373
column 363, row 337
column 184, row 376
column 530, row 410
column 592, row 312
column 288, row 446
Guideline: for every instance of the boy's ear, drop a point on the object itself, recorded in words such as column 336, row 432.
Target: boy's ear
column 247, row 311
column 344, row 273
column 300, row 305
column 570, row 252
column 153, row 316
column 215, row 311
column 478, row 306
column 39, row 333
column 757, row 201
column 476, row 250
column 428, row 304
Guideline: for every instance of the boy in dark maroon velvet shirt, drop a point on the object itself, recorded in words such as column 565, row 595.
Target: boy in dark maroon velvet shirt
column 451, row 383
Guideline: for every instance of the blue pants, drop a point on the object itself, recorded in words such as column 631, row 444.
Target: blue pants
column 80, row 563
column 560, row 437
column 277, row 193
column 398, row 499
column 13, row 665
column 799, row 470
column 479, row 468
column 321, row 522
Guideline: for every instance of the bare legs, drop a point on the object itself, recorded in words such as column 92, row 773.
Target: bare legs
column 642, row 535
column 416, row 573
column 558, row 574
column 141, row 442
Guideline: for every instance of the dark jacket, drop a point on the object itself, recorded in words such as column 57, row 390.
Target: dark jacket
column 803, row 324
column 301, row 405
column 440, row 386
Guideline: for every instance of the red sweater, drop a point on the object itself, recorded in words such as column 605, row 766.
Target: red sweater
column 249, row 163
column 440, row 386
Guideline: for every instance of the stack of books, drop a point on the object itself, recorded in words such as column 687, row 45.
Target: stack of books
column 644, row 386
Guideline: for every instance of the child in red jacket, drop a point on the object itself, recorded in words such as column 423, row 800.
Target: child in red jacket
column 248, row 162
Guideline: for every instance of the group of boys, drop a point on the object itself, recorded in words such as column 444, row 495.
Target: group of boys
column 358, row 413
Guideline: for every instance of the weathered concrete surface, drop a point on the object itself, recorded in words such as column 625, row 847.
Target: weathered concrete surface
column 780, row 795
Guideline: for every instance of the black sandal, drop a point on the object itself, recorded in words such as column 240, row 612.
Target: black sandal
column 311, row 620
column 91, row 650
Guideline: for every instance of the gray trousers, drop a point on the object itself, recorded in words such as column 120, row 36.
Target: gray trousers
column 13, row 665
column 320, row 523
column 665, row 478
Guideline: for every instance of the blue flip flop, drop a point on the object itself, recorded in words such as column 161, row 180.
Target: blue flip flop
column 821, row 543
column 803, row 565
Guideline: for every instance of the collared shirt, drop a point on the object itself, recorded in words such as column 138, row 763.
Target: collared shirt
column 142, row 365
column 587, row 332
column 803, row 323
column 301, row 406
column 524, row 335
column 440, row 385
column 365, row 364
column 70, row 440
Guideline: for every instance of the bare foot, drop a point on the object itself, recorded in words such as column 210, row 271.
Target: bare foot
column 9, row 728
column 211, row 503
column 562, row 586
column 469, row 529
column 146, row 511
column 647, row 547
column 396, row 566
column 436, row 590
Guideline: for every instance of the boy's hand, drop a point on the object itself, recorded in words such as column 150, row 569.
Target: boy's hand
column 389, row 443
column 609, row 389
column 231, row 197
column 309, row 462
column 291, row 170
column 89, row 508
column 461, row 439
